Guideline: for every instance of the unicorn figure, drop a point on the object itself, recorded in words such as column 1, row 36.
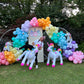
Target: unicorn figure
column 7, row 45
column 53, row 54
column 29, row 55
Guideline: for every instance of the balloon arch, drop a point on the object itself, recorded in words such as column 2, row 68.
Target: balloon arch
column 58, row 35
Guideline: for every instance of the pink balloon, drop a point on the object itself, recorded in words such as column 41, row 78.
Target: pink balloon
column 80, row 62
column 77, row 57
column 34, row 22
column 81, row 56
column 7, row 63
column 3, row 62
column 75, row 61
column 0, row 53
column 2, row 57
column 0, row 60
column 70, row 58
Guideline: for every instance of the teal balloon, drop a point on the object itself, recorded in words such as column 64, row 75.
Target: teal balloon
column 55, row 41
column 13, row 38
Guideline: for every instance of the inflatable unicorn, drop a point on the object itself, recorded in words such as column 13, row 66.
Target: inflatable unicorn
column 7, row 45
column 53, row 54
column 29, row 55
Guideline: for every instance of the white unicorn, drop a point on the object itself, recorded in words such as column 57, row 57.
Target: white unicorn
column 53, row 54
column 7, row 44
column 29, row 55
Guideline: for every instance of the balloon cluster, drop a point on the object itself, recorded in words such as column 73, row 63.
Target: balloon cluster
column 51, row 29
column 34, row 22
column 76, row 57
column 71, row 46
column 60, row 39
column 20, row 39
column 16, row 52
column 44, row 22
column 25, row 27
column 3, row 60
column 9, row 57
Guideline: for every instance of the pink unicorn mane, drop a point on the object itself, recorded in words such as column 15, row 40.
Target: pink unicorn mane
column 51, row 44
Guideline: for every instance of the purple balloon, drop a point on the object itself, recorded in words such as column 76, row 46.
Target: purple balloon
column 72, row 49
column 68, row 48
column 25, row 27
column 73, row 42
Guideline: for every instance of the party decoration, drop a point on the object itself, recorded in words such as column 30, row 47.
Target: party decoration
column 11, row 51
column 20, row 39
column 25, row 27
column 60, row 39
column 77, row 57
column 3, row 60
column 53, row 54
column 51, row 29
column 9, row 57
column 16, row 52
column 29, row 55
column 44, row 22
column 7, row 45
column 71, row 46
column 34, row 22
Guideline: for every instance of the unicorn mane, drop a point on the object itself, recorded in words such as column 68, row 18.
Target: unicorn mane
column 60, row 50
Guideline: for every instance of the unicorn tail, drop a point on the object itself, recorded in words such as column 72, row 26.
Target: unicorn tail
column 60, row 50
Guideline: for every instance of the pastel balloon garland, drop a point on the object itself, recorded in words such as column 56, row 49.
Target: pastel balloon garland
column 63, row 40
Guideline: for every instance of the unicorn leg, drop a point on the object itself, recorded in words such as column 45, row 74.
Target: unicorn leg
column 19, row 58
column 31, row 65
column 52, row 60
column 25, row 57
column 53, row 64
column 48, row 61
column 61, row 60
column 27, row 62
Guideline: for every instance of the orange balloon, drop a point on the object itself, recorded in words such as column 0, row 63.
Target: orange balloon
column 10, row 57
column 44, row 22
